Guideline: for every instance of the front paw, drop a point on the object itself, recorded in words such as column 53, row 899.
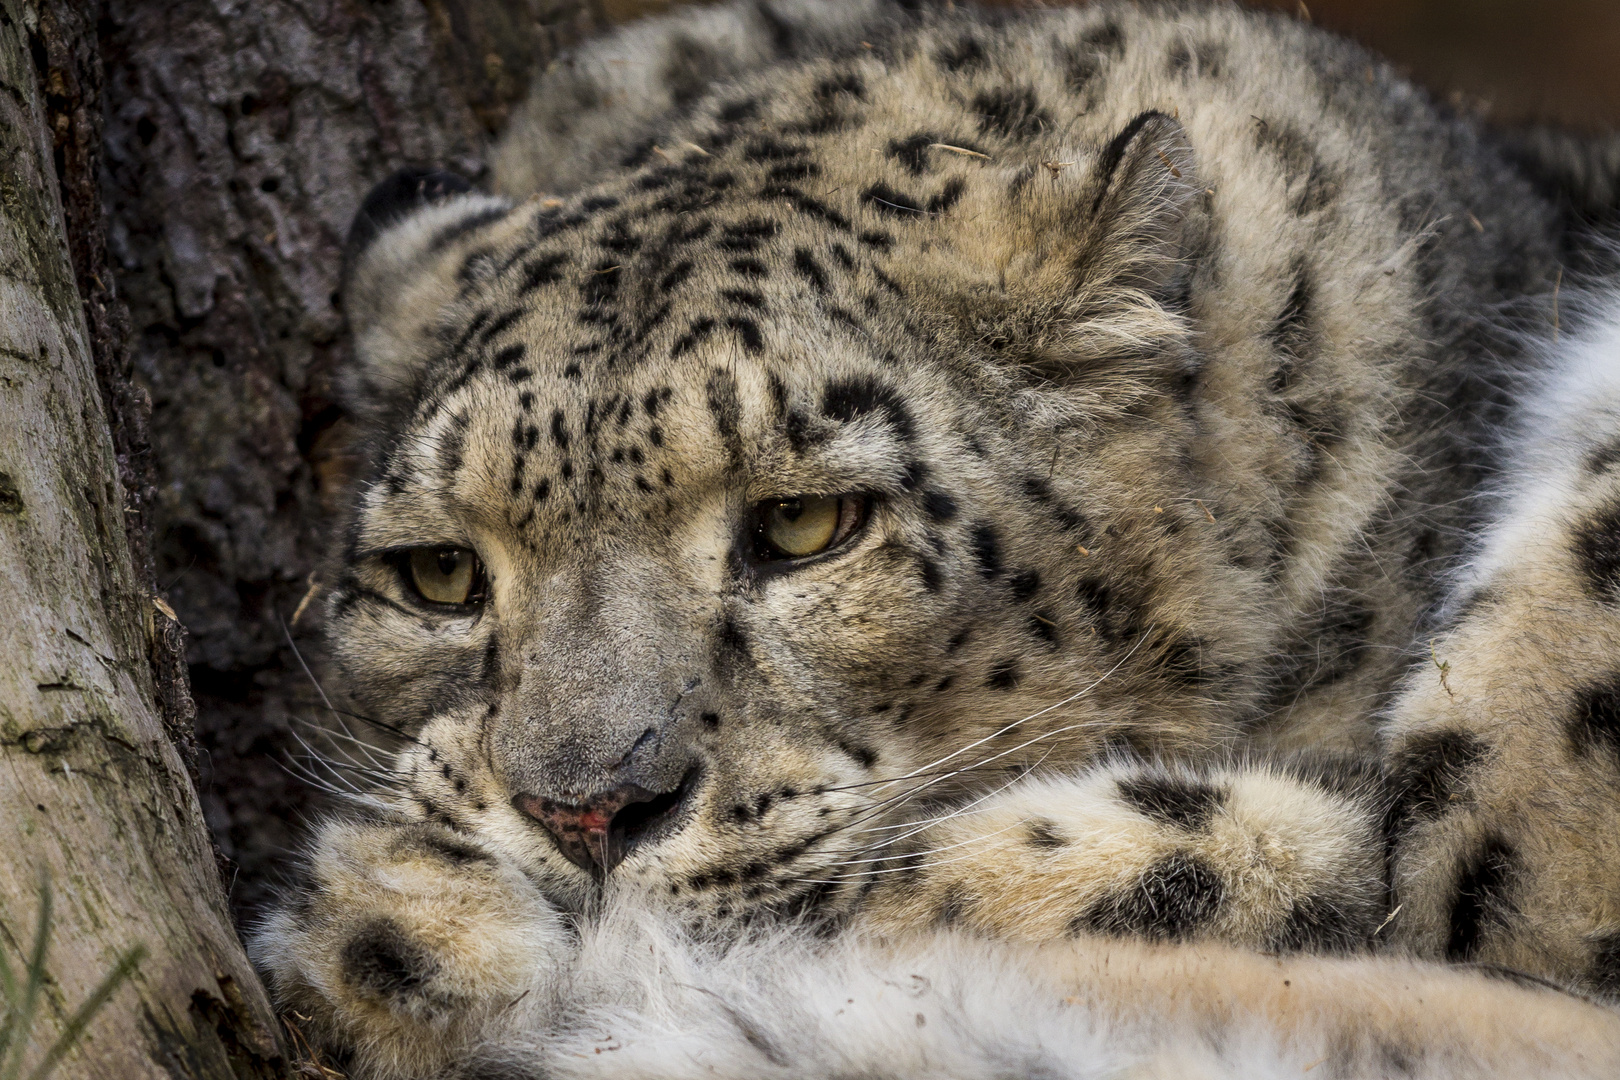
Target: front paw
column 408, row 945
column 1270, row 857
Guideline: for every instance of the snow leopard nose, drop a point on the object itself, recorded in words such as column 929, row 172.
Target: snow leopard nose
column 597, row 834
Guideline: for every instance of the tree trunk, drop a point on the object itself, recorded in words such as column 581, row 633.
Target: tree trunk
column 93, row 791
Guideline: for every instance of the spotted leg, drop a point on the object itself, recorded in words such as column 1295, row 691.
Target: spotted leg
column 1505, row 745
column 1266, row 856
column 408, row 947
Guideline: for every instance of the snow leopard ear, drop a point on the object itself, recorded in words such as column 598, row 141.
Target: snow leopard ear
column 1144, row 214
column 400, row 265
column 1079, row 272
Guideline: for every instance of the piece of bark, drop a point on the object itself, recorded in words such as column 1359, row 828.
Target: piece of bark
column 92, row 789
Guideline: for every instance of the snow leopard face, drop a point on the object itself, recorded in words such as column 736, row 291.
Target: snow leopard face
column 896, row 425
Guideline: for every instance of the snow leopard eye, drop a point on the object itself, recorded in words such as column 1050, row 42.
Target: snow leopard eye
column 805, row 525
column 446, row 575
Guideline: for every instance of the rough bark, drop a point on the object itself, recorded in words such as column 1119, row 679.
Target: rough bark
column 92, row 789
column 68, row 60
column 241, row 136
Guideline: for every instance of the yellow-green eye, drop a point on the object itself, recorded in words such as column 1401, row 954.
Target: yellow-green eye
column 805, row 525
column 446, row 575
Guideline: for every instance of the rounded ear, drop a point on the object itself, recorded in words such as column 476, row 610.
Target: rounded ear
column 396, row 198
column 398, row 277
column 1146, row 190
column 1079, row 271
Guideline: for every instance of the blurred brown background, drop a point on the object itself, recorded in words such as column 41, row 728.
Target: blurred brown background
column 1556, row 60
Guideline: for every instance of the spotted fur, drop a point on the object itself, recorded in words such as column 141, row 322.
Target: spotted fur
column 1169, row 350
column 1505, row 744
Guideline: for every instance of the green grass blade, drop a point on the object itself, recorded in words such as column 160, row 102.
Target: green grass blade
column 10, row 999
column 9, row 990
column 19, row 1022
column 86, row 1012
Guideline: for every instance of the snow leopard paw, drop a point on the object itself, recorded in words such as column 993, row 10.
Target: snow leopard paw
column 1266, row 856
column 409, row 945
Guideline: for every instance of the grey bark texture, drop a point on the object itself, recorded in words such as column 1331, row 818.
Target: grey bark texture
column 241, row 137
column 94, row 792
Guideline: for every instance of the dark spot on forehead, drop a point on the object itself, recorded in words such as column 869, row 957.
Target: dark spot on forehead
column 748, row 235
column 766, row 148
column 966, row 54
column 889, row 201
column 745, row 297
column 912, row 151
column 726, row 407
column 846, row 82
column 807, row 266
column 1043, row 626
column 545, row 270
column 1108, row 38
column 675, row 276
column 748, row 331
column 932, row 577
column 848, row 400
column 699, row 330
column 1038, row 489
column 1012, row 111
column 1024, row 584
column 619, row 240
column 939, row 506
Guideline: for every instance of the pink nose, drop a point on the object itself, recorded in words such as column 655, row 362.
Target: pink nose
column 593, row 836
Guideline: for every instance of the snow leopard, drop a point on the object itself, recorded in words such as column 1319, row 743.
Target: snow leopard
column 906, row 540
